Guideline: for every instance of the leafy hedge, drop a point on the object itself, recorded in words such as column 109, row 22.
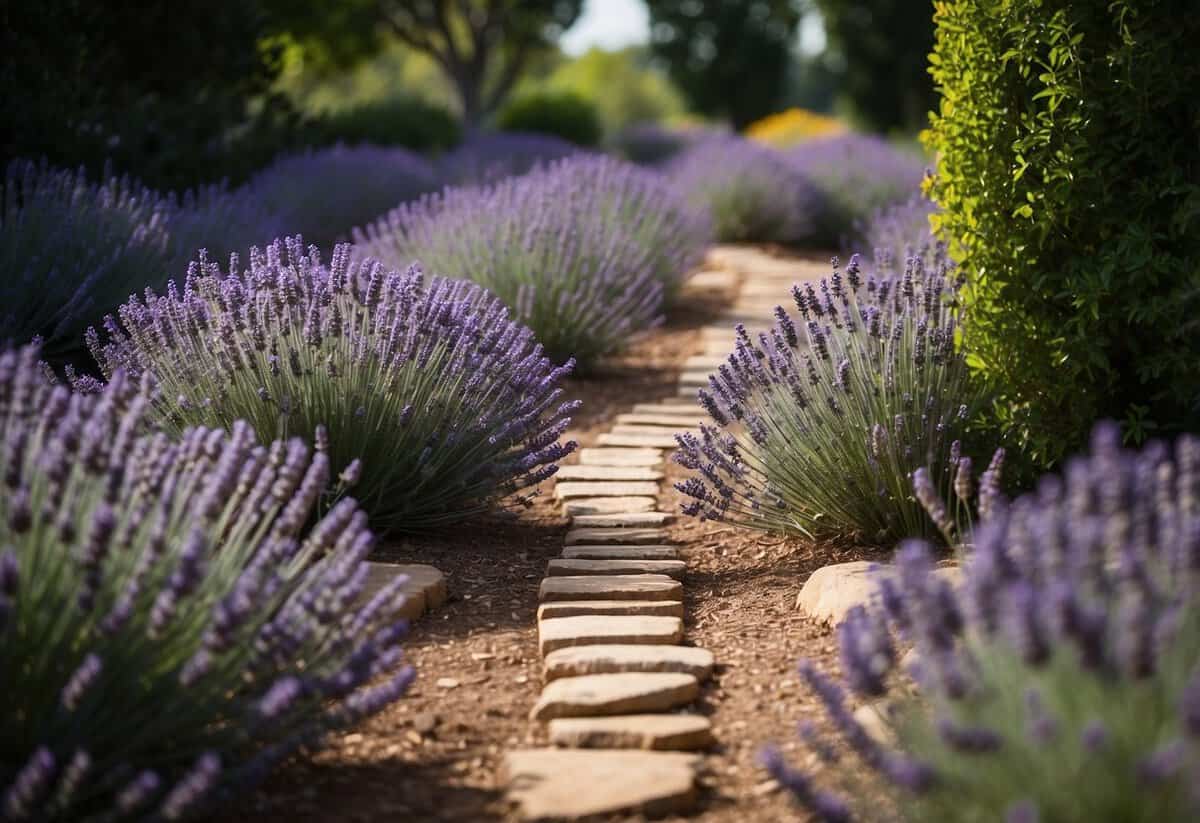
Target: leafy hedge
column 562, row 114
column 1069, row 175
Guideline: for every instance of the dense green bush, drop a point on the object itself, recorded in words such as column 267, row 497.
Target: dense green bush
column 1069, row 175
column 404, row 121
column 563, row 114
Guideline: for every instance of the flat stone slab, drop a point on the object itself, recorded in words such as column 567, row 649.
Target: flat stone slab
column 704, row 361
column 695, row 379
column 832, row 591
column 607, row 488
column 425, row 589
column 614, row 658
column 577, row 608
column 592, row 629
column 617, row 519
column 621, row 552
column 621, row 457
column 585, row 536
column 584, row 506
column 574, row 784
column 674, row 421
column 669, row 732
column 568, row 567
column 607, row 473
column 594, row 695
column 637, row 430
column 656, row 441
column 712, row 279
column 672, row 407
column 616, row 587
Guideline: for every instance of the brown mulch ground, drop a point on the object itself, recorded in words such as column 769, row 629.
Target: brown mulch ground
column 435, row 755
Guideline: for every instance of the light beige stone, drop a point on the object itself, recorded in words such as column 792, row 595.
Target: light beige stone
column 425, row 588
column 621, row 552
column 622, row 519
column 611, row 488
column 638, row 456
column 576, row 608
column 832, row 591
column 657, row 441
column 639, row 430
column 712, row 280
column 593, row 695
column 875, row 719
column 594, row 629
column 607, row 473
column 586, row 506
column 665, row 732
column 613, row 658
column 568, row 567
column 618, row 587
column 671, row 406
column 675, row 422
column 694, row 379
column 584, row 536
column 704, row 362
column 576, row 784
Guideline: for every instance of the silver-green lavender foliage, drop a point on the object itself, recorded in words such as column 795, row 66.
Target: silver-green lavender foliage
column 71, row 250
column 1058, row 682
column 322, row 194
column 752, row 193
column 450, row 405
column 584, row 251
column 820, row 423
column 169, row 629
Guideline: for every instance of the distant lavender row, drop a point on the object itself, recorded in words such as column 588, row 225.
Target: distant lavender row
column 168, row 629
column 450, row 405
column 1059, row 681
column 584, row 250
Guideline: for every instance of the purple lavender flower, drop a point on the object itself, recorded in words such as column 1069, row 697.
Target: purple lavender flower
column 489, row 158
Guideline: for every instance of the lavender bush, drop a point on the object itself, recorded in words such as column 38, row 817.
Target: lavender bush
column 323, row 193
column 751, row 192
column 856, row 175
column 450, row 404
column 219, row 220
column 820, row 424
column 1060, row 681
column 650, row 144
column 900, row 231
column 583, row 250
column 489, row 158
column 168, row 630
column 71, row 250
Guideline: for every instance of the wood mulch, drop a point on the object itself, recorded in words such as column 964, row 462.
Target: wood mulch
column 435, row 755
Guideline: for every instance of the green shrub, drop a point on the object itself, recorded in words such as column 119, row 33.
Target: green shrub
column 404, row 121
column 1069, row 175
column 563, row 114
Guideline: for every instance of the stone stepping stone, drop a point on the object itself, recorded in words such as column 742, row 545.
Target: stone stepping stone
column 574, row 567
column 425, row 589
column 696, row 379
column 607, row 473
column 708, row 362
column 670, row 732
column 656, row 441
column 584, row 506
column 832, row 591
column 621, row 457
column 617, row 519
column 577, row 608
column 677, row 408
column 606, row 488
column 595, row 695
column 676, row 422
column 594, row 629
column 575, row 784
column 621, row 552
column 635, row 429
column 636, row 536
column 613, row 659
column 713, row 279
column 617, row 587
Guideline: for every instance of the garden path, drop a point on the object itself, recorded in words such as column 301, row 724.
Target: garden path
column 620, row 679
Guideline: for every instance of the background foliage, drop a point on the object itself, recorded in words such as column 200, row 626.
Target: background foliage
column 1070, row 181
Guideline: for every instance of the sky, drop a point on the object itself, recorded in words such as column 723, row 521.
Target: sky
column 612, row 24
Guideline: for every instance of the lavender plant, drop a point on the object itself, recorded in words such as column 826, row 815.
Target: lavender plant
column 168, row 629
column 857, row 175
column 751, row 191
column 323, row 193
column 819, row 425
column 902, row 230
column 450, row 405
column 583, row 250
column 219, row 220
column 71, row 250
column 489, row 158
column 1060, row 681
